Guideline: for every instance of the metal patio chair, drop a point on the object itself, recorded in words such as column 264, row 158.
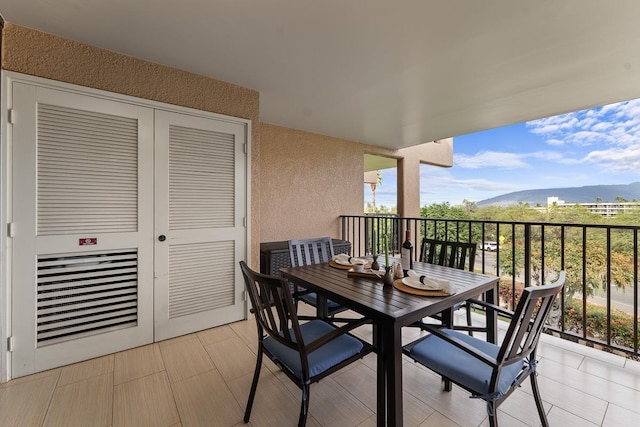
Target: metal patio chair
column 308, row 252
column 488, row 371
column 305, row 352
column 454, row 255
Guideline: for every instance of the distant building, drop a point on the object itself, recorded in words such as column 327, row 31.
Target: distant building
column 608, row 209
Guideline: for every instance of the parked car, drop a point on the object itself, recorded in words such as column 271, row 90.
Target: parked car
column 490, row 246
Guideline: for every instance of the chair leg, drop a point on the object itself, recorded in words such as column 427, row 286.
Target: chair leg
column 493, row 415
column 539, row 405
column 468, row 310
column 304, row 406
column 254, row 384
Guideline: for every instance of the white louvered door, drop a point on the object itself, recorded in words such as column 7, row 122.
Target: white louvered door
column 200, row 209
column 82, row 214
column 94, row 181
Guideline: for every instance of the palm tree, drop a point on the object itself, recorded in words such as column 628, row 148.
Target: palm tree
column 373, row 188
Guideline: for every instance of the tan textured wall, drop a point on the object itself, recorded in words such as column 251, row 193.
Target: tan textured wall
column 32, row 52
column 307, row 181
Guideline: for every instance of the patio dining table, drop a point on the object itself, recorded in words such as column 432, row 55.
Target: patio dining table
column 391, row 309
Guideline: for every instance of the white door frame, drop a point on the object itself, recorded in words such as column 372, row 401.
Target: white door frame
column 7, row 78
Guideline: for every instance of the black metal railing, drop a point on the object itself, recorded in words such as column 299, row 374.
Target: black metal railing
column 599, row 305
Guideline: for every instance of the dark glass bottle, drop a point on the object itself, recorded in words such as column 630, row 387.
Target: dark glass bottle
column 406, row 253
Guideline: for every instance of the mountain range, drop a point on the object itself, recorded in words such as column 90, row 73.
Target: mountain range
column 570, row 195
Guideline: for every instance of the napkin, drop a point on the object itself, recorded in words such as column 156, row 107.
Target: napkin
column 344, row 258
column 420, row 281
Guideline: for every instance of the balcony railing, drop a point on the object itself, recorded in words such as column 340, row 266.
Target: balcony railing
column 599, row 305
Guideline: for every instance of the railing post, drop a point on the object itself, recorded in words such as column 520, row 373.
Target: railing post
column 527, row 255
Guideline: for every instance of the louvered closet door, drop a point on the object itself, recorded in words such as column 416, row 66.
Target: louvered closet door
column 82, row 194
column 200, row 235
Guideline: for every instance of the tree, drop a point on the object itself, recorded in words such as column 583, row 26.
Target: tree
column 374, row 185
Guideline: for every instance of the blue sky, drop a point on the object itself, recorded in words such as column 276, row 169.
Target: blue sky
column 590, row 147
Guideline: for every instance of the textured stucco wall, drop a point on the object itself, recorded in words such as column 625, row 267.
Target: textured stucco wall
column 307, row 180
column 33, row 52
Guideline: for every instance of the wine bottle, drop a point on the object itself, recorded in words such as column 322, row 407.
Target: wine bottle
column 406, row 253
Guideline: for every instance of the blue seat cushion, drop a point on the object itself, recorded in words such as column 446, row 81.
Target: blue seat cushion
column 312, row 298
column 454, row 363
column 325, row 357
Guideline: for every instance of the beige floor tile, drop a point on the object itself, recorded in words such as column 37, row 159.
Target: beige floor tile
column 232, row 357
column 588, row 384
column 454, row 405
column 506, row 420
column 205, row 400
column 331, row 405
column 185, row 358
column 557, row 354
column 25, row 403
column 83, row 403
column 620, row 417
column 438, row 420
column 574, row 401
column 560, row 417
column 175, row 340
column 579, row 385
column 87, row 369
column 614, row 373
column 274, row 405
column 28, row 378
column 137, row 363
column 146, row 401
column 214, row 335
column 248, row 332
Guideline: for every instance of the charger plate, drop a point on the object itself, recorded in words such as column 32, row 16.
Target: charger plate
column 334, row 264
column 422, row 292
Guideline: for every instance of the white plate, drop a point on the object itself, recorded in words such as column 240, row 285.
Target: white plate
column 339, row 261
column 417, row 285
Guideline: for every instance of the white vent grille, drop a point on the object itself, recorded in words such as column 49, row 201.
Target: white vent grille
column 201, row 277
column 201, row 179
column 87, row 172
column 86, row 294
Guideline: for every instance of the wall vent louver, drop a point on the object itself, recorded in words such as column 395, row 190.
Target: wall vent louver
column 86, row 294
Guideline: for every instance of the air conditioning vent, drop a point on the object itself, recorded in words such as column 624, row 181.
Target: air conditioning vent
column 86, row 294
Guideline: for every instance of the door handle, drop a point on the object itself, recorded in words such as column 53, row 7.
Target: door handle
column 162, row 237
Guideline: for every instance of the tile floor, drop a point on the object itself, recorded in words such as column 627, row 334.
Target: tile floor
column 203, row 379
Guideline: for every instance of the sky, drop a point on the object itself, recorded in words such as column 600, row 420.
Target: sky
column 590, row 147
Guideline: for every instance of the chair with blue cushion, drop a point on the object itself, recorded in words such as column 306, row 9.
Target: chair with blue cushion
column 492, row 372
column 308, row 252
column 305, row 352
column 460, row 255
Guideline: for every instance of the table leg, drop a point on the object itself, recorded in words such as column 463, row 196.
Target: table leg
column 381, row 386
column 492, row 320
column 322, row 308
column 392, row 345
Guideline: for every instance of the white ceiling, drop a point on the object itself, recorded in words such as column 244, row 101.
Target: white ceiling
column 389, row 73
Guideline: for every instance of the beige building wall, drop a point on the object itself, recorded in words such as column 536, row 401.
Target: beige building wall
column 301, row 181
column 32, row 52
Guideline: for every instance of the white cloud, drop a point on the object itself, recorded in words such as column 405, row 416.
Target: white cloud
column 489, row 159
column 554, row 141
column 619, row 159
column 611, row 125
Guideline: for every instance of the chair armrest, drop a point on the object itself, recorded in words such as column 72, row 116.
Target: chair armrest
column 319, row 342
column 481, row 355
column 486, row 305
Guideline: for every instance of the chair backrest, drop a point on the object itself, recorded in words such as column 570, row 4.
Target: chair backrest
column 310, row 251
column 528, row 321
column 449, row 254
column 273, row 307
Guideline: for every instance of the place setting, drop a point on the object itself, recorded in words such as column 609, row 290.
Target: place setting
column 419, row 284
